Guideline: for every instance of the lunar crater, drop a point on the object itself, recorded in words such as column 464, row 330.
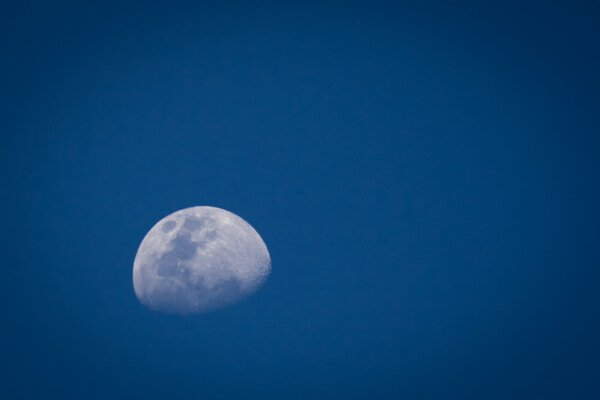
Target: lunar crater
column 169, row 226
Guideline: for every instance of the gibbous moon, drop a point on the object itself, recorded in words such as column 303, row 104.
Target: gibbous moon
column 197, row 260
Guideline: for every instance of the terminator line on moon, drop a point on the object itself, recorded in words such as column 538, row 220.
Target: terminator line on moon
column 197, row 260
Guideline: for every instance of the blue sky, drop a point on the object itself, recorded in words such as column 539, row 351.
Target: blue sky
column 424, row 176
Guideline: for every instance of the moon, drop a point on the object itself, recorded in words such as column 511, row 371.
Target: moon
column 197, row 260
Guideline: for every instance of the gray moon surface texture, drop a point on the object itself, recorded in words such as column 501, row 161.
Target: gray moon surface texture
column 197, row 260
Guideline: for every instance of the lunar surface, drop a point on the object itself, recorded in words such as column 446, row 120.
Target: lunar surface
column 197, row 260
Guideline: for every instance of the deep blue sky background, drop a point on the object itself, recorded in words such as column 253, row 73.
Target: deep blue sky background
column 425, row 177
